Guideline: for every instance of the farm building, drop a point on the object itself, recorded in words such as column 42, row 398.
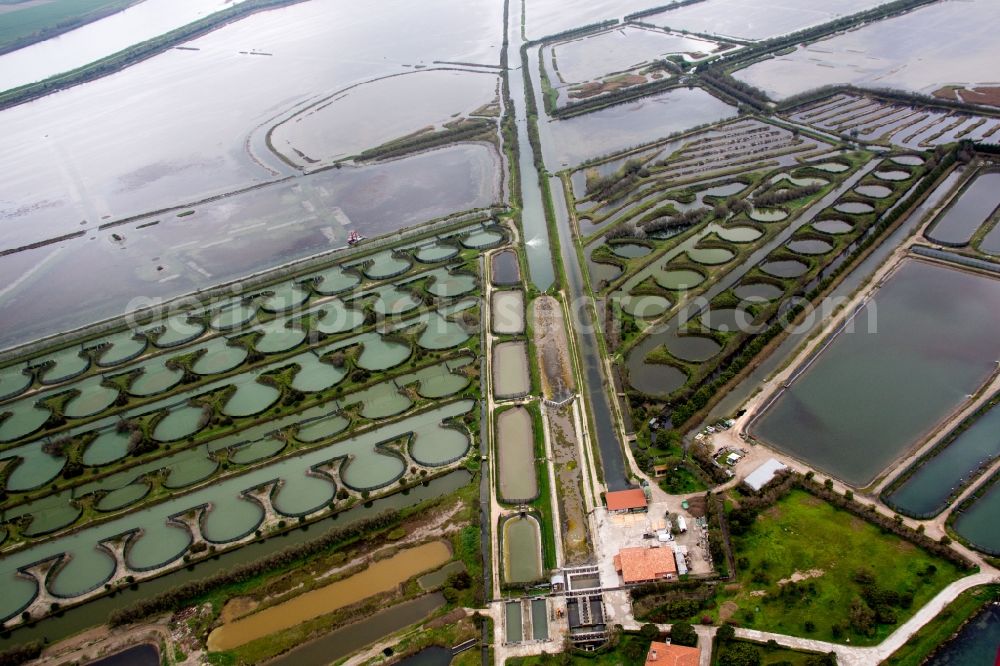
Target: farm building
column 626, row 501
column 644, row 565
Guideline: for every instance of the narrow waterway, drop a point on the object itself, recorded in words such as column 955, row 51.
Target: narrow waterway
column 536, row 235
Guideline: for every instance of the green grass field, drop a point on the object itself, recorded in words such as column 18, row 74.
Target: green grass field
column 19, row 26
column 852, row 570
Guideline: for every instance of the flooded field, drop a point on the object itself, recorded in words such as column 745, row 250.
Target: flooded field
column 357, row 119
column 101, row 38
column 973, row 206
column 165, row 256
column 915, row 51
column 870, row 396
column 377, row 577
column 621, row 49
column 742, row 19
column 577, row 139
column 928, row 490
column 200, row 131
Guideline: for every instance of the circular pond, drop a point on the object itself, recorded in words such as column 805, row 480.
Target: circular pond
column 892, row 175
column 107, row 447
column 655, row 378
column 48, row 520
column 430, row 254
column 66, row 364
column 180, row 422
column 13, row 381
column 441, row 385
column 231, row 518
column 809, row 246
column 727, row 319
column 251, row 397
column 630, row 250
column 786, row 268
column 693, row 348
column 908, row 160
column 386, row 265
column 123, row 347
column 36, row 468
column 314, row 374
column 449, row 285
column 680, row 279
column 122, row 497
column 337, row 318
column 285, row 297
column 833, row 226
column 156, row 546
column 333, row 280
column 603, row 272
column 303, row 494
column 831, row 167
column 434, row 445
column 86, row 569
column 322, row 428
column 278, row 337
column 23, row 418
column 441, row 333
column 155, row 378
column 233, row 316
column 379, row 354
column 384, row 400
column 767, row 214
column 94, row 398
column 393, row 302
column 727, row 190
column 739, row 234
column 191, row 469
column 219, row 357
column 873, row 191
column 373, row 470
column 645, row 306
column 261, row 450
column 484, row 238
column 177, row 330
column 758, row 292
column 710, row 256
column 853, row 208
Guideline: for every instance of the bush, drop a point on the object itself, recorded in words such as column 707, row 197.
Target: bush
column 683, row 633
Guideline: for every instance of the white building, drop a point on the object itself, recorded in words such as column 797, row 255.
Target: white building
column 764, row 474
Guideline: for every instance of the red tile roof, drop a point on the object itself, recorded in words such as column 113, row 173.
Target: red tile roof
column 663, row 654
column 624, row 500
column 638, row 565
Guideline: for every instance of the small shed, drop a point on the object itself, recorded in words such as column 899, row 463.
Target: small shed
column 764, row 474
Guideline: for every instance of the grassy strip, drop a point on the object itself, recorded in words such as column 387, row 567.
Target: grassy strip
column 921, row 645
column 36, row 23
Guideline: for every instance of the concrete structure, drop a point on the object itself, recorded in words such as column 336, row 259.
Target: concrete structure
column 764, row 474
column 680, row 556
column 665, row 654
column 626, row 501
column 645, row 565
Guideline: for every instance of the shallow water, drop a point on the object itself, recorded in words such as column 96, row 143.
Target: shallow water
column 973, row 206
column 521, row 549
column 516, row 455
column 380, row 576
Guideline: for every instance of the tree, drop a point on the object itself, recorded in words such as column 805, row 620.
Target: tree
column 649, row 631
column 725, row 633
column 739, row 654
column 683, row 633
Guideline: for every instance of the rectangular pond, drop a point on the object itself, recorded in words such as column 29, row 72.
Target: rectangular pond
column 978, row 522
column 927, row 491
column 973, row 206
column 868, row 397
